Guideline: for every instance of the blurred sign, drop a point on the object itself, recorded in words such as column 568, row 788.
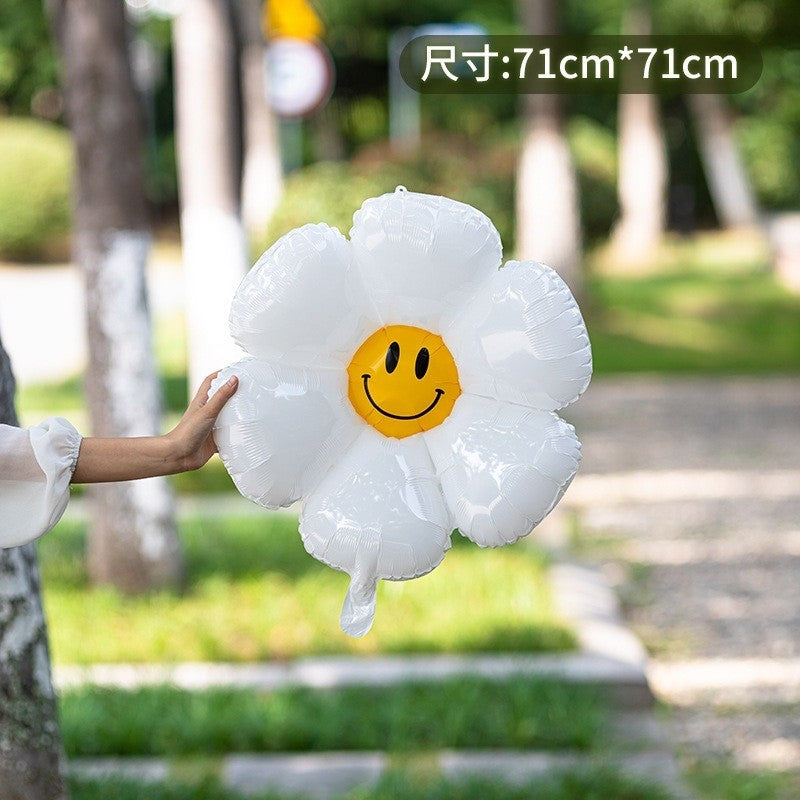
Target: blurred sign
column 404, row 106
column 299, row 76
column 293, row 18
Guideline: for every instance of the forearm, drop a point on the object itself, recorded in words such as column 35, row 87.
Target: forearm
column 188, row 446
column 107, row 460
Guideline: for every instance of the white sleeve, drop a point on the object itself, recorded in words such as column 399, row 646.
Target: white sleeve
column 36, row 467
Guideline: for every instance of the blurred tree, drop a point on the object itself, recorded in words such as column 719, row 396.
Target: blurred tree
column 31, row 756
column 215, row 253
column 133, row 543
column 642, row 164
column 727, row 178
column 770, row 127
column 262, row 178
column 767, row 125
column 548, row 216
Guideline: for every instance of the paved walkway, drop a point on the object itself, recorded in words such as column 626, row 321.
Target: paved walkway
column 690, row 495
column 42, row 313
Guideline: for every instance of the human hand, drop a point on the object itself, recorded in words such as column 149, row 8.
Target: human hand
column 191, row 442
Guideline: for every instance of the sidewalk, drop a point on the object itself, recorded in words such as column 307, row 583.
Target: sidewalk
column 690, row 496
column 42, row 311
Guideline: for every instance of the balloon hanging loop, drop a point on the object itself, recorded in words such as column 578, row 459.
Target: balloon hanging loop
column 400, row 189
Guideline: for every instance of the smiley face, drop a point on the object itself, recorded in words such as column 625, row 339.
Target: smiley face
column 403, row 380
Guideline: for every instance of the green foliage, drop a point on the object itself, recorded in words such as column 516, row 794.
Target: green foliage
column 594, row 149
column 63, row 395
column 325, row 192
column 719, row 781
column 213, row 478
column 764, row 20
column 35, row 173
column 208, row 788
column 462, row 712
column 768, row 130
column 253, row 593
column 363, row 120
column 161, row 171
column 588, row 784
column 332, row 191
column 27, row 61
column 768, row 146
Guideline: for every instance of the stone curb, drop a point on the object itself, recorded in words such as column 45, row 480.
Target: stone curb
column 583, row 597
column 323, row 776
column 337, row 671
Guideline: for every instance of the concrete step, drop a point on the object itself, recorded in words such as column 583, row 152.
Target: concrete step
column 626, row 681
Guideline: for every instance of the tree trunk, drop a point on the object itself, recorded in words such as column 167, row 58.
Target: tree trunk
column 133, row 543
column 548, row 214
column 642, row 172
column 31, row 757
column 215, row 252
column 262, row 177
column 727, row 179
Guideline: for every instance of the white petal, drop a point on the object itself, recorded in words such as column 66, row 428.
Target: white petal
column 283, row 429
column 503, row 467
column 303, row 302
column 379, row 513
column 420, row 254
column 522, row 338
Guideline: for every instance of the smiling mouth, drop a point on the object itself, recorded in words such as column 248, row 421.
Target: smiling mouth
column 439, row 393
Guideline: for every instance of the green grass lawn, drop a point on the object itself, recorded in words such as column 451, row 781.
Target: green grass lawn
column 590, row 784
column 458, row 713
column 694, row 319
column 254, row 593
column 720, row 781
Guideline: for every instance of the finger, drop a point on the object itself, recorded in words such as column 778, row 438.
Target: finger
column 201, row 397
column 223, row 394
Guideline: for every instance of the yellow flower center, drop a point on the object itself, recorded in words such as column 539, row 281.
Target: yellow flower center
column 403, row 380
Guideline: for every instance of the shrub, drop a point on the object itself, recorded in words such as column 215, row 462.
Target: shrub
column 770, row 148
column 35, row 172
column 325, row 192
column 478, row 174
column 332, row 191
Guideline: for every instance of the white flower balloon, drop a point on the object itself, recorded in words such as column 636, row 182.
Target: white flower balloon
column 401, row 384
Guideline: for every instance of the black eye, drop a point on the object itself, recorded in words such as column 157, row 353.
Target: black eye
column 392, row 357
column 421, row 365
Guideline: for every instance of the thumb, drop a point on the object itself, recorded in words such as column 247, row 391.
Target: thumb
column 215, row 403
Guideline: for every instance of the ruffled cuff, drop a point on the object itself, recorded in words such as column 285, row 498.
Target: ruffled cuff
column 56, row 444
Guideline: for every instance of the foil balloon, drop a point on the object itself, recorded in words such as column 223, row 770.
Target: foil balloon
column 401, row 384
